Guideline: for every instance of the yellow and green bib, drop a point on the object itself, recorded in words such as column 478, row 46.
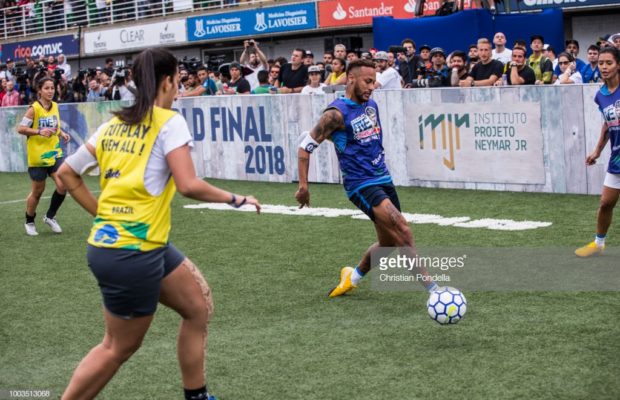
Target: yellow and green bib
column 128, row 216
column 43, row 151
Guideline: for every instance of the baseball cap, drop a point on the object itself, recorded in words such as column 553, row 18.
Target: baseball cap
column 539, row 37
column 381, row 55
column 8, row 60
column 309, row 54
column 314, row 68
column 425, row 46
column 611, row 38
column 437, row 50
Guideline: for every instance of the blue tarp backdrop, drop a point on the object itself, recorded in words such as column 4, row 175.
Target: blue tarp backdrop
column 459, row 30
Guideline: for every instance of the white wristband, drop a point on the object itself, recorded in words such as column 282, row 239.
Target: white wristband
column 308, row 143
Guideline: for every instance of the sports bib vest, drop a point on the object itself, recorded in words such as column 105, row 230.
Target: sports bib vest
column 43, row 151
column 128, row 216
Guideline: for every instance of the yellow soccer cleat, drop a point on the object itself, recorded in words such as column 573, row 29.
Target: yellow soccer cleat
column 345, row 284
column 589, row 249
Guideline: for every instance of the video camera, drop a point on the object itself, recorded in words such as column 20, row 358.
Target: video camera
column 191, row 65
column 397, row 49
column 430, row 82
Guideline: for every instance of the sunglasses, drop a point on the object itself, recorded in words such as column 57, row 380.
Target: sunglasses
column 563, row 62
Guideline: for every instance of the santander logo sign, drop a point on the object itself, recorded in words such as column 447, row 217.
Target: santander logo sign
column 361, row 12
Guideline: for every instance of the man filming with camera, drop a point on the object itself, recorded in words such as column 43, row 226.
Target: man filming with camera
column 254, row 59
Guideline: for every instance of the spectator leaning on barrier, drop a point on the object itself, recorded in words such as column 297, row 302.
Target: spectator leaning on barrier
column 254, row 59
column 459, row 69
column 387, row 77
column 439, row 69
column 518, row 72
column 568, row 67
column 238, row 84
column 293, row 75
column 206, row 87
column 590, row 72
column 542, row 66
column 410, row 63
column 572, row 48
column 338, row 75
column 501, row 52
column 264, row 87
column 487, row 71
column 274, row 71
column 314, row 85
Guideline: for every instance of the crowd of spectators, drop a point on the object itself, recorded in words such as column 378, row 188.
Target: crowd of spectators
column 92, row 84
column 484, row 64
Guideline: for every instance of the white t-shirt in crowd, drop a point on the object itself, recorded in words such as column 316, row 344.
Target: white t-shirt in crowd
column 173, row 134
column 389, row 79
column 253, row 77
column 505, row 56
column 576, row 78
column 313, row 90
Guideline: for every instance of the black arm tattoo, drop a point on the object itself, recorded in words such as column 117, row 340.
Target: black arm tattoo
column 331, row 121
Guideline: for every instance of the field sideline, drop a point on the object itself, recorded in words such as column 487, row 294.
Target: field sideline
column 276, row 335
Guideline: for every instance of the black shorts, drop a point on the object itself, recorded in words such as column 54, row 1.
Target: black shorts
column 130, row 280
column 39, row 174
column 367, row 198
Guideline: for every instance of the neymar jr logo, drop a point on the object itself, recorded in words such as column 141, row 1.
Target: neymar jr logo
column 448, row 125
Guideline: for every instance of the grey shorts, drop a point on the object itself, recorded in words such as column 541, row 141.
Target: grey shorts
column 39, row 174
column 130, row 280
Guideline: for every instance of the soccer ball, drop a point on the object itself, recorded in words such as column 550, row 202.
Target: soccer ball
column 446, row 305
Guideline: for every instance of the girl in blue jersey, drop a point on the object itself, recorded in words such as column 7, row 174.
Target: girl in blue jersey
column 608, row 100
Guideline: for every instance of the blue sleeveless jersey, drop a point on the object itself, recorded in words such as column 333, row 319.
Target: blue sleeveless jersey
column 609, row 104
column 360, row 146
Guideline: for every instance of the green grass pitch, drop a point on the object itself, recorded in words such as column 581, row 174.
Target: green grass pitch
column 276, row 335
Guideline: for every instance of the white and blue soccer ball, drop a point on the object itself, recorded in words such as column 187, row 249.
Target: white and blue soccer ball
column 446, row 305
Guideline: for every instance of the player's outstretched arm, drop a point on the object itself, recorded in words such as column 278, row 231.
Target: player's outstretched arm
column 70, row 172
column 331, row 121
column 189, row 185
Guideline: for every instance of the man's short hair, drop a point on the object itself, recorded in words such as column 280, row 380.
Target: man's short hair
column 359, row 63
column 408, row 41
column 340, row 46
column 483, row 41
column 523, row 49
column 594, row 47
column 460, row 54
column 202, row 68
column 302, row 51
column 472, row 46
column 520, row 43
column 109, row 59
column 262, row 76
column 571, row 41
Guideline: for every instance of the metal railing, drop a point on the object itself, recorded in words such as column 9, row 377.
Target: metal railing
column 44, row 16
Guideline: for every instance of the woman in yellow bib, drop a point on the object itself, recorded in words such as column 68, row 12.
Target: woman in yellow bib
column 144, row 156
column 41, row 126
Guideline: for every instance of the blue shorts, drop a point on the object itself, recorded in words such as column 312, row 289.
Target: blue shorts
column 130, row 280
column 371, row 196
column 39, row 174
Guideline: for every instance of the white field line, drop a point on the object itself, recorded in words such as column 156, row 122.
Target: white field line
column 42, row 198
column 460, row 222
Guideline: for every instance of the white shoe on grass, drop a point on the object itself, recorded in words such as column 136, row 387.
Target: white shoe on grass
column 53, row 224
column 31, row 230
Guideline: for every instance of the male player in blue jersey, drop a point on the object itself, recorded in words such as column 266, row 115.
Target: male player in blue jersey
column 353, row 125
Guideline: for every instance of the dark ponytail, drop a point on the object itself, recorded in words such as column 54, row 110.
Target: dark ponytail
column 150, row 68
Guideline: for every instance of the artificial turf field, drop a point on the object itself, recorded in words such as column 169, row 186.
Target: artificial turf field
column 276, row 335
